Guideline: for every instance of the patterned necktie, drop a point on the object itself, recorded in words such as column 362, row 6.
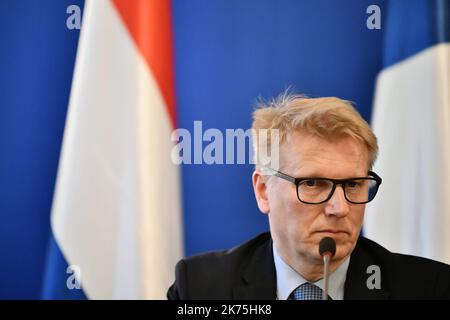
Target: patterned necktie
column 306, row 291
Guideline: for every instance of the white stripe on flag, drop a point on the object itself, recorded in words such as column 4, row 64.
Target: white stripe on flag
column 411, row 213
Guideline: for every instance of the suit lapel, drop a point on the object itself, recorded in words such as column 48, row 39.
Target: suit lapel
column 258, row 277
column 356, row 287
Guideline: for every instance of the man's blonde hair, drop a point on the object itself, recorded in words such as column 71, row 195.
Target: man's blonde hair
column 327, row 118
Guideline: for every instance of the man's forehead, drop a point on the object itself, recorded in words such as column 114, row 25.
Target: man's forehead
column 317, row 155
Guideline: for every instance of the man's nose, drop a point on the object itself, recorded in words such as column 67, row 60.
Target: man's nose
column 337, row 205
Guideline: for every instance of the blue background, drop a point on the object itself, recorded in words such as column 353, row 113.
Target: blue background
column 227, row 53
column 230, row 52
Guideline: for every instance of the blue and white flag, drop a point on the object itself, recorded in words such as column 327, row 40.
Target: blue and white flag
column 411, row 119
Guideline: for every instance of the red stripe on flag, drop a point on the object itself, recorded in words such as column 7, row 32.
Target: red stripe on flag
column 150, row 25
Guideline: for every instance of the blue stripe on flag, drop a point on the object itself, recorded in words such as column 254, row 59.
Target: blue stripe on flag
column 55, row 277
column 443, row 21
column 414, row 25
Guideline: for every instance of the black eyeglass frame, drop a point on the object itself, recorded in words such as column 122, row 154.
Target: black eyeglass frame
column 296, row 181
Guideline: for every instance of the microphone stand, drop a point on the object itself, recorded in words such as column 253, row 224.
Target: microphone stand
column 326, row 262
column 327, row 249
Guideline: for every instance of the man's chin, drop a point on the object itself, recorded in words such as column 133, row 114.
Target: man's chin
column 341, row 253
column 343, row 249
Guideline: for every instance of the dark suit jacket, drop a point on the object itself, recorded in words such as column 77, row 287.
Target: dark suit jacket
column 248, row 272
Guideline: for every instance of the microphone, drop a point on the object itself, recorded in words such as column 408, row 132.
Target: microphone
column 327, row 249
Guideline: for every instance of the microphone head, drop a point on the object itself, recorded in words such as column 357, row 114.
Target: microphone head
column 327, row 245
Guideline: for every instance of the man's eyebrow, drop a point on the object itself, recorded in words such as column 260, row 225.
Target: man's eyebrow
column 314, row 174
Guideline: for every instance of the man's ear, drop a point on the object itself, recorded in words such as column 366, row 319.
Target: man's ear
column 260, row 189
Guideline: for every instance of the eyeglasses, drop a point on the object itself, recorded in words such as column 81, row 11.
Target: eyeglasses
column 316, row 190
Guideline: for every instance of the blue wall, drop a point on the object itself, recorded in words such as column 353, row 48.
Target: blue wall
column 228, row 52
column 37, row 54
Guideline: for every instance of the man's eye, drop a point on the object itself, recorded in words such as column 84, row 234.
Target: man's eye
column 310, row 183
column 352, row 184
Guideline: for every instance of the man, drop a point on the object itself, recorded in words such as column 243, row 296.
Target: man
column 319, row 189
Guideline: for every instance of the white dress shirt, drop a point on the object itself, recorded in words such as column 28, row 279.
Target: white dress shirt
column 288, row 279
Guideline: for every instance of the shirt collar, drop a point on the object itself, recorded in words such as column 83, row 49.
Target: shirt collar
column 288, row 279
